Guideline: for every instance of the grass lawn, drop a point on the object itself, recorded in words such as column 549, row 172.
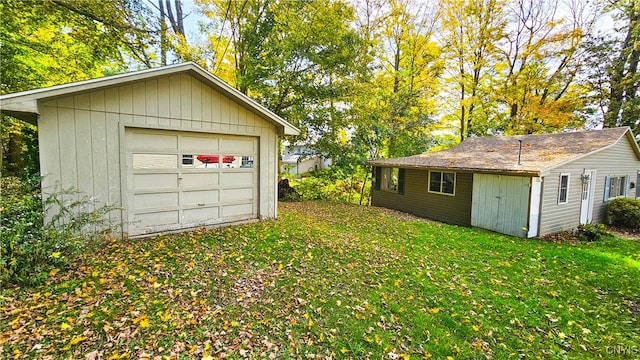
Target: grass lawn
column 334, row 280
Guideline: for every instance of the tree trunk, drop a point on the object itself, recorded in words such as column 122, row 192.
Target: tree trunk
column 176, row 22
column 619, row 94
column 163, row 34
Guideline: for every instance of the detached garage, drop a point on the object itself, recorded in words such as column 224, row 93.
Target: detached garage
column 175, row 146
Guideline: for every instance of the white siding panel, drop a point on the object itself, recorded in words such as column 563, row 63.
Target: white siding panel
column 49, row 144
column 164, row 93
column 112, row 100
column 224, row 113
column 174, row 97
column 83, row 151
column 68, row 155
column 126, row 99
column 139, row 98
column 234, row 112
column 206, row 106
column 113, row 164
column 66, row 102
column 97, row 100
column 100, row 174
column 216, row 107
column 185, row 98
column 151, row 98
column 82, row 102
column 196, row 100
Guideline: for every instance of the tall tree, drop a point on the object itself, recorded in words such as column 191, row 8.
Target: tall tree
column 59, row 41
column 541, row 55
column 623, row 108
column 393, row 108
column 297, row 58
column 472, row 28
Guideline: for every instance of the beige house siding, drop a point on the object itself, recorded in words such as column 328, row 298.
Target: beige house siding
column 417, row 200
column 81, row 137
column 618, row 160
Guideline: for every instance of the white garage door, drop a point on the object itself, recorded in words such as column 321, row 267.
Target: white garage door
column 178, row 180
column 500, row 203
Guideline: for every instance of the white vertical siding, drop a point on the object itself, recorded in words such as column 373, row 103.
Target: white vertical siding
column 49, row 144
column 617, row 160
column 66, row 133
column 100, row 175
column 80, row 135
column 83, row 150
column 500, row 203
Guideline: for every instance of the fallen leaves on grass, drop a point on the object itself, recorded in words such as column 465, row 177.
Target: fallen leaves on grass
column 328, row 280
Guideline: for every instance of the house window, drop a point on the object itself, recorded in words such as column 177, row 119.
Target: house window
column 563, row 191
column 442, row 182
column 390, row 179
column 617, row 187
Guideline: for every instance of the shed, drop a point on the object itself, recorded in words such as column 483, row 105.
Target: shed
column 551, row 183
column 175, row 146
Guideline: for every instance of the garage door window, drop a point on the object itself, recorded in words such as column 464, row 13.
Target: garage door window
column 155, row 161
column 187, row 160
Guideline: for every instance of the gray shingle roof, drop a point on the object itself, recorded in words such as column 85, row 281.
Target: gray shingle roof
column 499, row 154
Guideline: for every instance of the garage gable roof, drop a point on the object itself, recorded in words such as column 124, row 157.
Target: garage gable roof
column 499, row 154
column 24, row 105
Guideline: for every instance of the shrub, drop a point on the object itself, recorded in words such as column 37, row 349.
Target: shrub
column 590, row 232
column 624, row 213
column 333, row 183
column 311, row 188
column 30, row 249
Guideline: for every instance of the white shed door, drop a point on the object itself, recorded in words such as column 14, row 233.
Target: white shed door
column 500, row 203
column 178, row 180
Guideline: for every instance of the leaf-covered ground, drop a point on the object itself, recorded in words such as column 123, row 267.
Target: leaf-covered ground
column 334, row 280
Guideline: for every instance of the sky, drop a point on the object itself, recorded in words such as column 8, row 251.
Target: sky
column 605, row 25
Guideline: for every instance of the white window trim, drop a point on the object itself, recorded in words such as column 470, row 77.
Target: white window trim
column 623, row 185
column 566, row 200
column 455, row 181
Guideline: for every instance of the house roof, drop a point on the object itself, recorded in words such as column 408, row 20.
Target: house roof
column 499, row 154
column 24, row 105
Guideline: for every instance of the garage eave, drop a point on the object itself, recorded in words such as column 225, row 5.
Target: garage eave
column 26, row 110
column 25, row 104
